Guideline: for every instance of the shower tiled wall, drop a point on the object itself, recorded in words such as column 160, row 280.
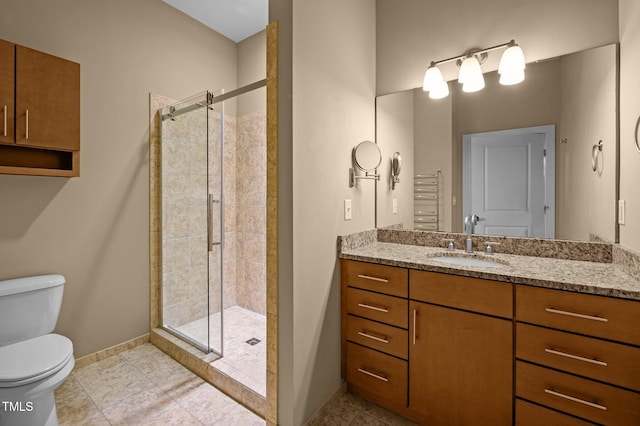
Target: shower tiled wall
column 251, row 290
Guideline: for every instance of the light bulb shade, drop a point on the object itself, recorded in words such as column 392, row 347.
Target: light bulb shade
column 512, row 60
column 440, row 91
column 512, row 77
column 432, row 78
column 471, row 75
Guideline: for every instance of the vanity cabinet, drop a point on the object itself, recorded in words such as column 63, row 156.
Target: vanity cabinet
column 436, row 348
column 460, row 350
column 40, row 101
column 374, row 332
column 577, row 354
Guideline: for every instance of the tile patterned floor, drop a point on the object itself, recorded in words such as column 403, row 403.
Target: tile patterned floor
column 143, row 386
column 349, row 410
column 245, row 363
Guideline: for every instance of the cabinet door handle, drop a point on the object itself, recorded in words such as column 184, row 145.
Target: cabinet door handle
column 369, row 277
column 579, row 358
column 26, row 127
column 573, row 314
column 370, row 336
column 415, row 315
column 369, row 373
column 4, row 133
column 574, row 399
column 375, row 308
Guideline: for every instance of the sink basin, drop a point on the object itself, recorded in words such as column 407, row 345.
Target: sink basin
column 468, row 261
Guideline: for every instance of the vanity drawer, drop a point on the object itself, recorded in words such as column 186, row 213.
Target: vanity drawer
column 528, row 414
column 471, row 294
column 378, row 336
column 598, row 359
column 380, row 374
column 574, row 395
column 598, row 316
column 378, row 307
column 379, row 278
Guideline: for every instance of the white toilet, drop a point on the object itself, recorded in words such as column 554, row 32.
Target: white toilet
column 32, row 362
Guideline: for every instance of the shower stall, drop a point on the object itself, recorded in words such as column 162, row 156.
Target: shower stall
column 213, row 195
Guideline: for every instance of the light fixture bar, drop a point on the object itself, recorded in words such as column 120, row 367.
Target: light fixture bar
column 474, row 52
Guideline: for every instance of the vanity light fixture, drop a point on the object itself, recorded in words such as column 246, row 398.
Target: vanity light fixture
column 511, row 70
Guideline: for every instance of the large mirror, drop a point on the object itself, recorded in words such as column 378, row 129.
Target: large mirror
column 508, row 149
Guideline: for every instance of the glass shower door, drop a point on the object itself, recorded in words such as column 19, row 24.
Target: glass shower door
column 192, row 222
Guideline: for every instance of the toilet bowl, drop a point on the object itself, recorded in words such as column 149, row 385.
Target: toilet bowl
column 33, row 362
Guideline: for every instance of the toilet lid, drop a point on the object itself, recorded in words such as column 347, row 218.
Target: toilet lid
column 31, row 359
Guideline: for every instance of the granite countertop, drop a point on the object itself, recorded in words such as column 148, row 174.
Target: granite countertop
column 606, row 279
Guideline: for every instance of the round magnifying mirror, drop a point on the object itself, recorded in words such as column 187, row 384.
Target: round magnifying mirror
column 366, row 156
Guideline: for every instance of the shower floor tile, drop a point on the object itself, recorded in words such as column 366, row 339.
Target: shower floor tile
column 243, row 362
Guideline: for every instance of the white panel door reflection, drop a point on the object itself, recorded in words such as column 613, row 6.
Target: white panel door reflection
column 506, row 182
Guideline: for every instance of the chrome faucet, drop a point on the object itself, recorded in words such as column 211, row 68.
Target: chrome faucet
column 469, row 223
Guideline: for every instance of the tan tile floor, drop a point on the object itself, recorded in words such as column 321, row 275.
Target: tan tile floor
column 143, row 386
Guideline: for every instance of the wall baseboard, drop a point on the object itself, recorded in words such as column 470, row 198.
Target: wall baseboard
column 111, row 351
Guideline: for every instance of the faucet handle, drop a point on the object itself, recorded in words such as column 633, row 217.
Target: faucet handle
column 450, row 246
column 489, row 249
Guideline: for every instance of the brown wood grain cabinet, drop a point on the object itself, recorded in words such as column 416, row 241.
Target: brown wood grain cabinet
column 461, row 361
column 444, row 349
column 578, row 354
column 40, row 101
column 413, row 343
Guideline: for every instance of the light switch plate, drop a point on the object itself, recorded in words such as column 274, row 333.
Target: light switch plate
column 395, row 206
column 621, row 211
column 347, row 209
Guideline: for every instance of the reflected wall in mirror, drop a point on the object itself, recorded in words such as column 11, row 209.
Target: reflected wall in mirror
column 576, row 93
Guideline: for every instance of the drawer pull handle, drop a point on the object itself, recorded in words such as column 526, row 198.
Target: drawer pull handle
column 5, row 121
column 378, row 339
column 573, row 314
column 415, row 315
column 368, row 277
column 384, row 379
column 26, row 127
column 375, row 308
column 579, row 358
column 574, row 399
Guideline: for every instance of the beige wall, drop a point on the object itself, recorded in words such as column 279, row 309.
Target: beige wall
column 629, row 112
column 252, row 67
column 333, row 104
column 394, row 132
column 95, row 229
column 416, row 32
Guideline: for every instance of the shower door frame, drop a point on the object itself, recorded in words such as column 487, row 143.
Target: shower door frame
column 211, row 100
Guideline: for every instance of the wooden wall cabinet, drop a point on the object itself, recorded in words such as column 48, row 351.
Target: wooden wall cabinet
column 40, row 101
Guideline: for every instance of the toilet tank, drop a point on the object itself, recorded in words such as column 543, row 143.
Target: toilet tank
column 29, row 307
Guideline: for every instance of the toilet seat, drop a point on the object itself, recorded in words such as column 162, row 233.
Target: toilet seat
column 30, row 360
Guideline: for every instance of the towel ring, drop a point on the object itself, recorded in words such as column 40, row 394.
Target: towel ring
column 595, row 151
column 636, row 134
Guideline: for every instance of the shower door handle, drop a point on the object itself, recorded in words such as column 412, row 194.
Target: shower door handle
column 210, row 240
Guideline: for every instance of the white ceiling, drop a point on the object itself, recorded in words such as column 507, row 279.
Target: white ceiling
column 235, row 19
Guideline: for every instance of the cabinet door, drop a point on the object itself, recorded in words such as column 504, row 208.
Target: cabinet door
column 7, row 95
column 460, row 366
column 47, row 101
